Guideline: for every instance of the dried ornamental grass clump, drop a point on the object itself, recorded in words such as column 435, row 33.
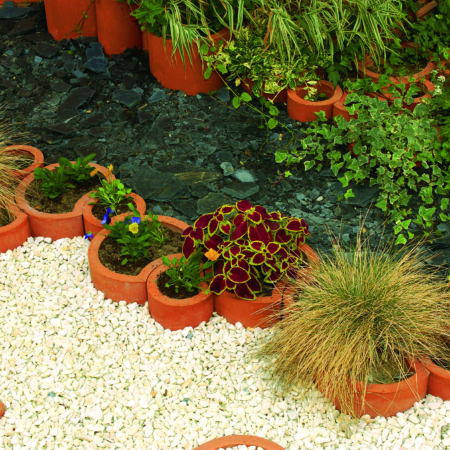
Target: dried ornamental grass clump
column 361, row 317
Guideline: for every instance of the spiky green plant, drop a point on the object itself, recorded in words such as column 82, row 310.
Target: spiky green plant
column 358, row 312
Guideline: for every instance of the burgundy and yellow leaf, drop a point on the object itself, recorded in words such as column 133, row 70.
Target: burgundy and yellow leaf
column 240, row 230
column 225, row 228
column 254, row 285
column 238, row 219
column 218, row 285
column 282, row 237
column 255, row 217
column 273, row 248
column 244, row 205
column 212, row 227
column 203, row 221
column 294, row 225
column 197, row 234
column 244, row 292
column 227, row 209
column 259, row 233
column 258, row 259
column 188, row 246
column 187, row 231
column 262, row 211
column 238, row 275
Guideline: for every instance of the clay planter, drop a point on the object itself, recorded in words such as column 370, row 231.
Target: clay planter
column 234, row 441
column 389, row 399
column 169, row 71
column 280, row 98
column 304, row 110
column 439, row 380
column 118, row 287
column 176, row 314
column 95, row 225
column 63, row 16
column 55, row 226
column 426, row 86
column 32, row 153
column 364, row 71
column 16, row 233
column 258, row 313
column 422, row 13
column 117, row 29
column 2, row 409
column 339, row 109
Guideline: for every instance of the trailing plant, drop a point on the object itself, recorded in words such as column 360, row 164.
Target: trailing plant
column 249, row 246
column 360, row 317
column 185, row 272
column 386, row 144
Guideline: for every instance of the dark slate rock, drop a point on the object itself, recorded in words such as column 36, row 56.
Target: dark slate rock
column 190, row 174
column 199, row 191
column 97, row 64
column 154, row 138
column 223, row 94
column 22, row 27
column 157, row 96
column 151, row 184
column 98, row 149
column 145, row 116
column 201, row 115
column 127, row 98
column 24, row 93
column 95, row 50
column 9, row 63
column 211, row 202
column 60, row 86
column 206, row 149
column 77, row 141
column 86, row 40
column 100, row 131
column 128, row 82
column 345, row 212
column 364, row 195
column 39, row 37
column 186, row 207
column 78, row 97
column 69, row 66
column 225, row 156
column 62, row 128
column 9, row 11
column 94, row 120
column 240, row 190
column 46, row 50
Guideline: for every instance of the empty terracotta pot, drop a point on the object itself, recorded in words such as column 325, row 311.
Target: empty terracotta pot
column 234, row 441
column 30, row 152
column 16, row 233
column 64, row 16
column 169, row 71
column 304, row 110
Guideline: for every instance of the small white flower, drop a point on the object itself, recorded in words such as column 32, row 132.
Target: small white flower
column 441, row 78
column 437, row 91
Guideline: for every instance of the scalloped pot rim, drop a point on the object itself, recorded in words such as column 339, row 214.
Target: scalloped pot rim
column 16, row 233
column 32, row 151
column 232, row 441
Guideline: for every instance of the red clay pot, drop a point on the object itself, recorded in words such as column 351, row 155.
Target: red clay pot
column 16, row 233
column 94, row 225
column 364, row 71
column 118, row 287
column 339, row 109
column 280, row 98
column 169, row 71
column 144, row 41
column 117, row 29
column 55, row 226
column 2, row 409
column 389, row 399
column 257, row 313
column 233, row 441
column 427, row 87
column 32, row 153
column 304, row 110
column 176, row 314
column 422, row 13
column 63, row 16
column 439, row 380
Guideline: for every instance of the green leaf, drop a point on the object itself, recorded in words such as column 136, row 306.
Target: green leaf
column 272, row 123
column 204, row 49
column 280, row 157
column 221, row 68
column 246, row 97
column 349, row 194
column 273, row 110
column 309, row 164
column 401, row 240
column 208, row 73
column 236, row 102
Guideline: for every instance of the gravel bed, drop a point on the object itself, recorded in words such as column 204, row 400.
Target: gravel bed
column 81, row 372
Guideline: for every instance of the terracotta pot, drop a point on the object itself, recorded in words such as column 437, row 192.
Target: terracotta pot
column 2, row 409
column 117, row 29
column 16, row 233
column 55, row 226
column 118, row 287
column 144, row 41
column 28, row 151
column 176, row 314
column 233, row 441
column 422, row 13
column 426, row 86
column 258, row 313
column 439, row 380
column 63, row 16
column 95, row 225
column 304, row 110
column 364, row 71
column 389, row 399
column 169, row 71
column 280, row 98
column 339, row 109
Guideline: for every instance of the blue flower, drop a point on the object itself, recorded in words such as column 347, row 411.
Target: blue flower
column 88, row 235
column 106, row 219
column 136, row 220
column 109, row 211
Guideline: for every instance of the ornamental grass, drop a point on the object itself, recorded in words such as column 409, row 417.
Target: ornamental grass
column 361, row 317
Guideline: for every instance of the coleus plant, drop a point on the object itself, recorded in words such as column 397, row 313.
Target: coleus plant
column 248, row 245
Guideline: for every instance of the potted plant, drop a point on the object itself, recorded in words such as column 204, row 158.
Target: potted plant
column 54, row 197
column 234, row 441
column 358, row 329
column 28, row 159
column 253, row 250
column 68, row 19
column 120, row 256
column 178, row 295
column 112, row 195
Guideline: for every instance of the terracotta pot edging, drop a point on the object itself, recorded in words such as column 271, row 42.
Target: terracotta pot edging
column 94, row 225
column 280, row 98
column 304, row 110
column 116, row 286
column 34, row 152
column 16, row 233
column 176, row 314
column 258, row 313
column 423, row 12
column 2, row 409
column 170, row 71
column 439, row 380
column 389, row 399
column 428, row 87
column 55, row 226
column 233, row 441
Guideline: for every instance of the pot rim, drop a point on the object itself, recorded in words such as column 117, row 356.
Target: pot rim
column 226, row 441
column 337, row 95
column 20, row 217
column 434, row 368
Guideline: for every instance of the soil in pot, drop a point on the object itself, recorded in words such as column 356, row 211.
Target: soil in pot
column 109, row 253
column 170, row 291
column 99, row 210
column 64, row 203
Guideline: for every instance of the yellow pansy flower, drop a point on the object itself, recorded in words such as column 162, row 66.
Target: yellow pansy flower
column 134, row 228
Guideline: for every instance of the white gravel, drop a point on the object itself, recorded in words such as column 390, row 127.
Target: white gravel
column 81, row 372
